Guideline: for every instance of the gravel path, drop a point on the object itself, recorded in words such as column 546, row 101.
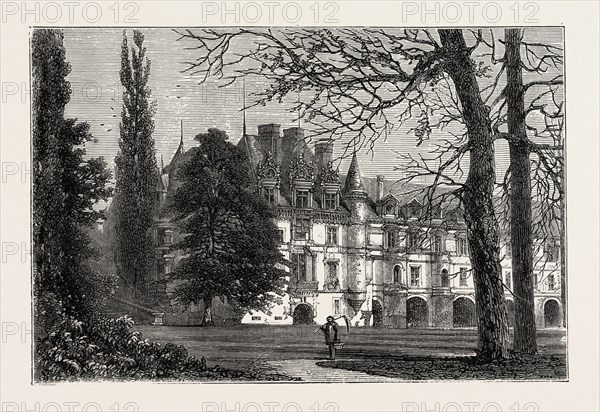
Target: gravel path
column 309, row 371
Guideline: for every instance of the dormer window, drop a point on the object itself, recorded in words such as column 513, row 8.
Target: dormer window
column 269, row 195
column 388, row 205
column 414, row 209
column 330, row 201
column 302, row 199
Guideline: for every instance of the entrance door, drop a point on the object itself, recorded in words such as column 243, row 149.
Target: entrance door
column 416, row 313
column 551, row 314
column 303, row 314
column 464, row 315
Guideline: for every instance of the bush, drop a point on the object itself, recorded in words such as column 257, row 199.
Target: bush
column 107, row 349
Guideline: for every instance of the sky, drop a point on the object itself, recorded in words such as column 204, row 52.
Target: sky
column 94, row 55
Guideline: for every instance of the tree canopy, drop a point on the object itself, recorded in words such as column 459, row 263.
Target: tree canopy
column 136, row 171
column 229, row 241
column 65, row 187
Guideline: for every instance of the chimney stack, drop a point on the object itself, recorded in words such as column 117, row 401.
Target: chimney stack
column 293, row 138
column 268, row 137
column 323, row 153
column 380, row 180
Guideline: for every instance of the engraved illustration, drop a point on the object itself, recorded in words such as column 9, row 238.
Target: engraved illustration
column 354, row 204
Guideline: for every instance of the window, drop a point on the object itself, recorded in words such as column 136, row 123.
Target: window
column 336, row 306
column 391, row 237
column 278, row 317
column 280, row 234
column 299, row 266
column 412, row 241
column 302, row 199
column 463, row 277
column 255, row 317
column 508, row 280
column 397, row 274
column 415, row 276
column 332, row 235
column 508, row 250
column 437, row 245
column 269, row 194
column 535, row 280
column 330, row 201
column 302, row 229
column 389, row 208
column 414, row 208
column 332, row 281
column 551, row 284
column 461, row 246
column 332, row 267
column 552, row 253
column 445, row 279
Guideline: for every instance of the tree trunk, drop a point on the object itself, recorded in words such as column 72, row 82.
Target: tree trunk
column 207, row 319
column 520, row 199
column 482, row 225
column 563, row 262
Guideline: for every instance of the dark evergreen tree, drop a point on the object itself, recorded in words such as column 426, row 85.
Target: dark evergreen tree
column 136, row 170
column 230, row 242
column 65, row 188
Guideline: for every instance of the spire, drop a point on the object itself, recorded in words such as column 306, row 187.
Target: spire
column 244, row 107
column 354, row 184
column 181, row 139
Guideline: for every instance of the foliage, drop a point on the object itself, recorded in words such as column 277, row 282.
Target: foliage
column 65, row 188
column 108, row 349
column 230, row 244
column 136, row 170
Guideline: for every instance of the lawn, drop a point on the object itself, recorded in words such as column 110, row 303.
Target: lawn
column 400, row 353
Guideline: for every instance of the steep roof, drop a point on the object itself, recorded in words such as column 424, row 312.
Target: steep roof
column 353, row 182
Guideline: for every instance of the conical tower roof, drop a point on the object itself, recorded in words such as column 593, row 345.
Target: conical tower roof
column 354, row 183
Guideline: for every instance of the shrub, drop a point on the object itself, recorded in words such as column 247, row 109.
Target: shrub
column 107, row 349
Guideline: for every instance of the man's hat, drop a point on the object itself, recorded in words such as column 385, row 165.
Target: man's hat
column 330, row 318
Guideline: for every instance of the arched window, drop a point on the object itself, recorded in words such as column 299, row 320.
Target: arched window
column 445, row 279
column 397, row 274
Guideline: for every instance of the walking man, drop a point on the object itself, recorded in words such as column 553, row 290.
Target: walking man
column 330, row 329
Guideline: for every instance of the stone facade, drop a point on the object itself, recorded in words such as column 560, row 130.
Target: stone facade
column 356, row 245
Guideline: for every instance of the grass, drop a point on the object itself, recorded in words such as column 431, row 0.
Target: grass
column 411, row 354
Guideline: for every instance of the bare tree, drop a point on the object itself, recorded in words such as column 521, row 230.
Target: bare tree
column 532, row 187
column 353, row 78
column 530, row 205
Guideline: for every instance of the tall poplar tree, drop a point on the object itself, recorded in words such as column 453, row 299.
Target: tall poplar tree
column 136, row 169
column 65, row 188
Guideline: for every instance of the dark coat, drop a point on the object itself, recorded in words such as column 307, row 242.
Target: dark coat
column 331, row 333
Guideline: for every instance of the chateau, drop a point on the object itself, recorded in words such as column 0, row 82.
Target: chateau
column 356, row 244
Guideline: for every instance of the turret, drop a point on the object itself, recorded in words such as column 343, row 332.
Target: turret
column 355, row 197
